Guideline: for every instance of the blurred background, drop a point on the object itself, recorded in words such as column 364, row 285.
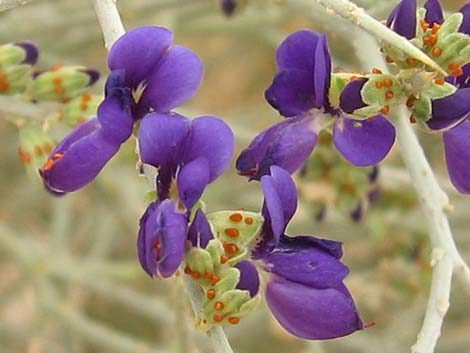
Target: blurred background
column 69, row 276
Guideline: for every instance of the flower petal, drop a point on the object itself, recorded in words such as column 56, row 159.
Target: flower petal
column 78, row 159
column 450, row 110
column 162, row 138
column 31, row 50
column 465, row 26
column 199, row 232
column 162, row 239
column 434, row 12
column 249, row 277
column 212, row 139
column 300, row 259
column 312, row 313
column 297, row 51
column 322, row 73
column 192, row 179
column 402, row 19
column 114, row 115
column 291, row 93
column 175, row 81
column 457, row 150
column 286, row 145
column 350, row 98
column 139, row 52
column 364, row 143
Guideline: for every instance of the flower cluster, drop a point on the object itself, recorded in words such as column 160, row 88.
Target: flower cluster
column 224, row 250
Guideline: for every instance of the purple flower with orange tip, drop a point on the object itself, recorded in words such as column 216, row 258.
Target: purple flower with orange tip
column 305, row 290
column 148, row 73
column 300, row 92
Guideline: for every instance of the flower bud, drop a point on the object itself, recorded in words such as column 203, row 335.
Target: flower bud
column 16, row 62
column 63, row 83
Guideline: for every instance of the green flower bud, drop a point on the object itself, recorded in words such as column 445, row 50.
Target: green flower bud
column 81, row 109
column 35, row 146
column 337, row 83
column 11, row 55
column 451, row 24
column 63, row 83
column 16, row 67
column 422, row 108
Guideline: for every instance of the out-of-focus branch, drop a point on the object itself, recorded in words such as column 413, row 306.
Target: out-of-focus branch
column 10, row 4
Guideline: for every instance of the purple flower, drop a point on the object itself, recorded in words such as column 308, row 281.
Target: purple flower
column 300, row 92
column 148, row 72
column 305, row 290
column 192, row 153
column 402, row 19
column 81, row 155
column 162, row 238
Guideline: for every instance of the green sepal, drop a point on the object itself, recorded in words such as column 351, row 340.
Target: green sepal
column 200, row 260
column 337, row 84
column 81, row 109
column 455, row 49
column 150, row 196
column 440, row 91
column 422, row 108
column 18, row 78
column 248, row 232
column 366, row 112
column 451, row 24
column 249, row 306
column 229, row 279
column 34, row 149
column 371, row 95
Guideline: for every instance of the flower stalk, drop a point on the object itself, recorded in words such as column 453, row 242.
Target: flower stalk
column 112, row 29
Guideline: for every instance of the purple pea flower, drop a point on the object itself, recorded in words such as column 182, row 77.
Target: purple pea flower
column 305, row 290
column 190, row 155
column 300, row 92
column 147, row 73
column 449, row 114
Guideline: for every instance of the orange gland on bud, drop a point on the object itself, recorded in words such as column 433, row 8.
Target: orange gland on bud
column 218, row 318
column 224, row 259
column 435, row 28
column 196, row 275
column 208, row 275
column 410, row 102
column 436, row 52
column 424, row 25
column 25, row 157
column 389, row 60
column 385, row 110
column 83, row 106
column 376, row 71
column 432, row 39
column 410, row 62
column 379, row 84
column 389, row 94
column 234, row 320
column 211, row 294
column 440, row 81
column 249, row 220
column 232, row 232
column 412, row 119
column 218, row 306
column 86, row 97
column 214, row 280
column 236, row 217
column 38, row 151
column 388, row 82
column 187, row 270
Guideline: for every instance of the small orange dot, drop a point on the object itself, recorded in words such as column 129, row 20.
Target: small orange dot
column 56, row 67
column 432, row 39
column 86, row 97
column 435, row 28
column 236, row 217
column 38, row 151
column 412, row 119
column 249, row 220
column 48, row 148
column 388, row 59
column 214, row 280
column 385, row 110
column 211, row 293
column 218, row 306
column 224, row 259
column 232, row 232
column 59, row 90
column 411, row 62
column 458, row 72
column 208, row 275
column 232, row 249
column 389, row 95
column 379, row 84
column 410, row 102
column 388, row 82
column 57, row 81
column 440, row 81
column 218, row 318
column 196, row 275
column 234, row 320
column 424, row 25
column 376, row 71
column 436, row 52
column 453, row 66
column 83, row 106
column 187, row 270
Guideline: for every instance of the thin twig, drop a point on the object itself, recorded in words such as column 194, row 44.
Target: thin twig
column 112, row 29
